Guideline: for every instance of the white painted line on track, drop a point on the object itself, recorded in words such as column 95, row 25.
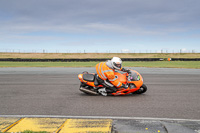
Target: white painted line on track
column 101, row 117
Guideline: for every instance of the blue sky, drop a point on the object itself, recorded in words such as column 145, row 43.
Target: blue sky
column 99, row 26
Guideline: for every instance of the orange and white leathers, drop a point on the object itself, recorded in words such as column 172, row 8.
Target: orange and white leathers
column 106, row 71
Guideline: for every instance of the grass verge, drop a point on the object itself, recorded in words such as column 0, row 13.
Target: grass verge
column 156, row 64
column 28, row 131
column 96, row 55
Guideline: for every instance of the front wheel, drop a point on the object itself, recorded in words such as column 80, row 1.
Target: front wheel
column 142, row 89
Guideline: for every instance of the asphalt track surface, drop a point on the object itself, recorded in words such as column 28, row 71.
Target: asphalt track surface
column 172, row 93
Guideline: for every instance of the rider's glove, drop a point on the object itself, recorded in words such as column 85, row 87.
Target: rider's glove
column 124, row 86
column 125, row 70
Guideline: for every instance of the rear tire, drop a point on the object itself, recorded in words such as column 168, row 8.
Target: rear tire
column 142, row 89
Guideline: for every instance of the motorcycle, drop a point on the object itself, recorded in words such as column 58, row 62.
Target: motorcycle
column 90, row 85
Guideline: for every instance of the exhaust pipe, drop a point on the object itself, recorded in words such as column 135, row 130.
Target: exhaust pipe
column 88, row 91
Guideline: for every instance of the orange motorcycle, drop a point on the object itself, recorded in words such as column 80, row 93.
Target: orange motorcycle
column 90, row 84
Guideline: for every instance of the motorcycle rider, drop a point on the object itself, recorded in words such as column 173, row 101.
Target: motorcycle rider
column 106, row 77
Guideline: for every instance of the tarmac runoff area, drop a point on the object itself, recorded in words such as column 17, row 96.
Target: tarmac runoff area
column 66, row 120
column 86, row 124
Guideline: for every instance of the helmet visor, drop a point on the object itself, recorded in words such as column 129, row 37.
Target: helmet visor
column 118, row 65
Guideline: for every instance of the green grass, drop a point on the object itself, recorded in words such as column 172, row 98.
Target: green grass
column 48, row 64
column 157, row 64
column 165, row 64
column 28, row 131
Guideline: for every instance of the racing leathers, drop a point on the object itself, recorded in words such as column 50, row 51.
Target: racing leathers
column 106, row 76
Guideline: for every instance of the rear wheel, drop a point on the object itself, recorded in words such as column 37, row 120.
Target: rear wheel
column 142, row 89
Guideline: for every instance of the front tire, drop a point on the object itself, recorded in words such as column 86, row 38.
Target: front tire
column 142, row 89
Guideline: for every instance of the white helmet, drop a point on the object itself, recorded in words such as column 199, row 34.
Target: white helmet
column 116, row 63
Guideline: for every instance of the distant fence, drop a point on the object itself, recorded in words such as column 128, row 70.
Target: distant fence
column 93, row 59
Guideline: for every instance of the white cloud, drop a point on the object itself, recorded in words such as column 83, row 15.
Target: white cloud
column 136, row 21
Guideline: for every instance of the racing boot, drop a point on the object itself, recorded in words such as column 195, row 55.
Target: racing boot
column 103, row 91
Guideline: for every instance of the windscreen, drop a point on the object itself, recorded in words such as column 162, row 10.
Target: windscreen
column 133, row 76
